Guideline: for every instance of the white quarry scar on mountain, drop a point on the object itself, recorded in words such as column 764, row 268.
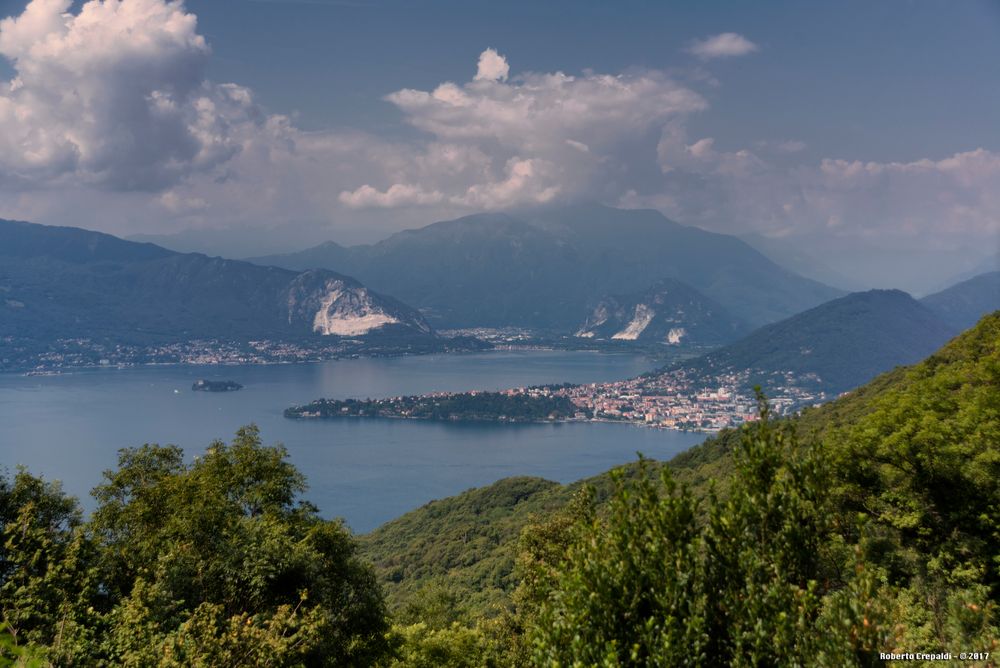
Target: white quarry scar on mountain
column 675, row 335
column 643, row 316
column 347, row 318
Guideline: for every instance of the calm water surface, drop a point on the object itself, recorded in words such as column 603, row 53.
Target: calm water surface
column 70, row 427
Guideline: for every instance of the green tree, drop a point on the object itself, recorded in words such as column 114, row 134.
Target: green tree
column 923, row 464
column 213, row 559
column 453, row 646
column 772, row 555
column 629, row 591
column 762, row 582
column 46, row 565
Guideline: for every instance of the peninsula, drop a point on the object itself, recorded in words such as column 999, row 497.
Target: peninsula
column 466, row 406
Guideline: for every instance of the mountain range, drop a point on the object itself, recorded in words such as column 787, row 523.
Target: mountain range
column 63, row 282
column 591, row 271
column 548, row 269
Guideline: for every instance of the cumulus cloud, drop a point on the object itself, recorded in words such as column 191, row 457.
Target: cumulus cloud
column 724, row 45
column 398, row 194
column 943, row 203
column 498, row 141
column 526, row 181
column 538, row 112
column 492, row 66
column 114, row 96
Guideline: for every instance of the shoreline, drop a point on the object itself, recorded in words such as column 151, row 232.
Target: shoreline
column 69, row 370
column 641, row 425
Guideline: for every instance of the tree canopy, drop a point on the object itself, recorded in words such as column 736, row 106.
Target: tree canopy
column 209, row 563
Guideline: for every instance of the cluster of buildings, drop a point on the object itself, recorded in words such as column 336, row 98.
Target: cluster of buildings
column 77, row 353
column 673, row 400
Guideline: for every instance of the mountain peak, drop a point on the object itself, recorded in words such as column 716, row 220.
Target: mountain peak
column 545, row 268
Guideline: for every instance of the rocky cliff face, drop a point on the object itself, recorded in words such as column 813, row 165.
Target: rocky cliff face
column 334, row 305
column 669, row 312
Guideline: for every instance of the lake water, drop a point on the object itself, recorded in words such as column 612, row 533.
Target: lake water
column 70, row 427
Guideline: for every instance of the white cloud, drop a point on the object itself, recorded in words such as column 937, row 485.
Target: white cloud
column 543, row 111
column 944, row 203
column 113, row 96
column 398, row 194
column 724, row 45
column 534, row 137
column 527, row 181
column 492, row 66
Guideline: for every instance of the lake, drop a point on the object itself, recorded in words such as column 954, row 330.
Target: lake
column 70, row 427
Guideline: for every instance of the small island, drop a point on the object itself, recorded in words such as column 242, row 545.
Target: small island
column 464, row 407
column 203, row 385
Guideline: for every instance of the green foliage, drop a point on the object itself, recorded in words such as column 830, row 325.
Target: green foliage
column 628, row 593
column 13, row 655
column 923, row 462
column 453, row 646
column 905, row 526
column 646, row 583
column 884, row 538
column 46, row 583
column 465, row 545
column 771, row 557
column 212, row 563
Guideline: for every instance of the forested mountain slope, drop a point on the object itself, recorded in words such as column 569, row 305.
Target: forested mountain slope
column 920, row 444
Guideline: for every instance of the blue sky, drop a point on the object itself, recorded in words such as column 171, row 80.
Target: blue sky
column 887, row 80
column 864, row 133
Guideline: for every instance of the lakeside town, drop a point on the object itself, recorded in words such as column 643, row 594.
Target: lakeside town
column 673, row 399
column 80, row 353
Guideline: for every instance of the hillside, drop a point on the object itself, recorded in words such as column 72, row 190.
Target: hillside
column 468, row 543
column 833, row 347
column 667, row 312
column 61, row 282
column 464, row 543
column 963, row 304
column 543, row 269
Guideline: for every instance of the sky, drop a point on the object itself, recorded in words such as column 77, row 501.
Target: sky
column 860, row 136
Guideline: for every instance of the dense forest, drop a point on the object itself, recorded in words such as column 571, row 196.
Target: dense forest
column 868, row 525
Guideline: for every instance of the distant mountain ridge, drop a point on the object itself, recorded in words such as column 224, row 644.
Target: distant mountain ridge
column 542, row 269
column 963, row 304
column 836, row 346
column 62, row 282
